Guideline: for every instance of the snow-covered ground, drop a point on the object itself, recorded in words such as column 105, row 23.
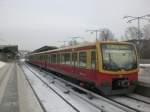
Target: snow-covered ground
column 144, row 73
column 144, row 65
column 74, row 98
column 2, row 64
column 52, row 102
column 137, row 96
column 138, row 105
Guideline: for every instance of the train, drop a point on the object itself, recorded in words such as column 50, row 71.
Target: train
column 110, row 67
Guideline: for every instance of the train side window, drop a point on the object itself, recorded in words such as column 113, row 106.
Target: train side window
column 44, row 57
column 74, row 60
column 82, row 59
column 62, row 58
column 58, row 58
column 40, row 58
column 93, row 59
column 53, row 58
column 67, row 58
column 49, row 58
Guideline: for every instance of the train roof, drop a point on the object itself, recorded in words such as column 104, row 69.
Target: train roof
column 79, row 46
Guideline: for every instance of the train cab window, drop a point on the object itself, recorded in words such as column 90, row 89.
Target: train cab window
column 93, row 59
column 58, row 58
column 74, row 60
column 53, row 58
column 67, row 58
column 82, row 59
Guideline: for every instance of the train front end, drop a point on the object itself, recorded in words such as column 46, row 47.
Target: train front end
column 118, row 67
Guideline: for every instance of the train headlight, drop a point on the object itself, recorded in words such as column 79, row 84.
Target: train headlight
column 124, row 83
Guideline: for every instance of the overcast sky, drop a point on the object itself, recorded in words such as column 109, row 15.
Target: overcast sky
column 35, row 23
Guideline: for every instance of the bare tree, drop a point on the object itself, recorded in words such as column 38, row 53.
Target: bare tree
column 146, row 32
column 131, row 33
column 106, row 35
column 73, row 42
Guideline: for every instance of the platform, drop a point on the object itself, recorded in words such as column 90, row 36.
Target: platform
column 16, row 95
column 144, row 80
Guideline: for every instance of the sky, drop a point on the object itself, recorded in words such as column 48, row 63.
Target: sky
column 31, row 24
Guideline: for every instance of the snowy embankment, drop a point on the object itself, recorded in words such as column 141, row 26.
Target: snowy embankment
column 144, row 65
column 144, row 74
column 2, row 64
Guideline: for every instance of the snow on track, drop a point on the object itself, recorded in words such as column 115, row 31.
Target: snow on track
column 142, row 98
column 81, row 105
column 138, row 105
column 102, row 104
column 50, row 100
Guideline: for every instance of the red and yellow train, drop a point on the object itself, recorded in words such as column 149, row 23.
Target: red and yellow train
column 111, row 67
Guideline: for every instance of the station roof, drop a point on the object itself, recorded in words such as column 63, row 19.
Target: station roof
column 44, row 48
column 9, row 48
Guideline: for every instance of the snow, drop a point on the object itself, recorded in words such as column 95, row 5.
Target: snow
column 2, row 64
column 22, row 59
column 144, row 75
column 144, row 65
column 76, row 99
column 53, row 103
column 143, row 107
column 143, row 98
column 50, row 100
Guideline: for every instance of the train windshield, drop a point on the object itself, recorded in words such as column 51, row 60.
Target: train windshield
column 117, row 57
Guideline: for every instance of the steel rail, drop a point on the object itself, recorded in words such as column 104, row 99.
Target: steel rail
column 106, row 99
column 34, row 92
column 138, row 99
column 70, row 90
column 54, row 90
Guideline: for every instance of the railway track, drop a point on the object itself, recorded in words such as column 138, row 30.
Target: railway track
column 133, row 103
column 34, row 91
column 40, row 100
column 140, row 98
column 98, row 101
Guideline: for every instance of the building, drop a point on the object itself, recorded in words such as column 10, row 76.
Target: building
column 8, row 52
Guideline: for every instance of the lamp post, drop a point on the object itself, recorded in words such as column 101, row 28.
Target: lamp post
column 138, row 18
column 94, row 31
